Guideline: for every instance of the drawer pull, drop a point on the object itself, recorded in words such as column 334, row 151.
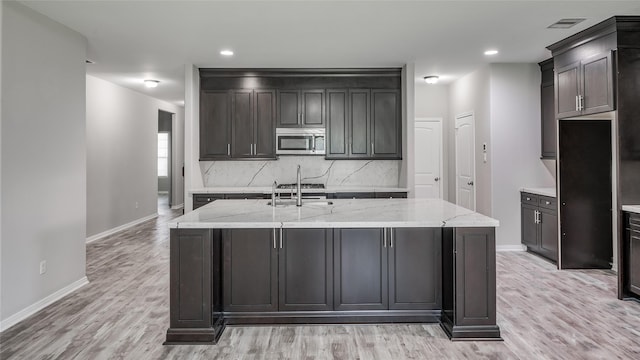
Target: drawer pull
column 528, row 199
column 547, row 202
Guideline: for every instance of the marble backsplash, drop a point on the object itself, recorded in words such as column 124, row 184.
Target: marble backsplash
column 314, row 169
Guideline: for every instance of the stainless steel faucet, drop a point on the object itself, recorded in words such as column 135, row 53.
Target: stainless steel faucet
column 298, row 189
column 273, row 193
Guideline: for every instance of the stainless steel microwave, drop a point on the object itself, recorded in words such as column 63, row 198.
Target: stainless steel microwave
column 297, row 141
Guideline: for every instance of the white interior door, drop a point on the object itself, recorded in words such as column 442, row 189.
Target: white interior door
column 465, row 162
column 428, row 158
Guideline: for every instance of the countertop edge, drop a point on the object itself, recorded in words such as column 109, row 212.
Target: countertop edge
column 631, row 208
column 544, row 191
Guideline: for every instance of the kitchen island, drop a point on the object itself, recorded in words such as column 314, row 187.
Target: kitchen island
column 339, row 261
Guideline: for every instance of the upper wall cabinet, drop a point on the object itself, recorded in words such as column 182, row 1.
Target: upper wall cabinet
column 585, row 87
column 548, row 124
column 301, row 108
column 363, row 124
column 360, row 108
column 237, row 124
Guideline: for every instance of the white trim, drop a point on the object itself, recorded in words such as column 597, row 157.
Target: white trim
column 510, row 248
column 176, row 207
column 103, row 234
column 34, row 308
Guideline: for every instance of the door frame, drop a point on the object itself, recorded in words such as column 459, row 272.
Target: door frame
column 473, row 155
column 441, row 169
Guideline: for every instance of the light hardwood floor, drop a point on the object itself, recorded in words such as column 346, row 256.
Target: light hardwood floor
column 123, row 314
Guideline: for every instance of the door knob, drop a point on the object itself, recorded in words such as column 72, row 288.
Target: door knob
column 470, row 183
column 436, row 179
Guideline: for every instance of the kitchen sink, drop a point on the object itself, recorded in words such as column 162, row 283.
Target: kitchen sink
column 284, row 203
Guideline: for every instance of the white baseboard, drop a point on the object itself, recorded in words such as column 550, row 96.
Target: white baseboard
column 176, row 207
column 34, row 308
column 120, row 228
column 505, row 248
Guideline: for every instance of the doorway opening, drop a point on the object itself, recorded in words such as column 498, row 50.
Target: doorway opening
column 165, row 183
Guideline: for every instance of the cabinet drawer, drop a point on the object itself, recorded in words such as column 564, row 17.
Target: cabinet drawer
column 547, row 202
column 206, row 198
column 527, row 198
column 247, row 196
column 391, row 195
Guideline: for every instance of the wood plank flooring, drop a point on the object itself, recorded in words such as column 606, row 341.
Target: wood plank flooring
column 123, row 314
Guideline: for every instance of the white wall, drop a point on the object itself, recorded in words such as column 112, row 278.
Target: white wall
column 192, row 174
column 122, row 127
column 43, row 158
column 432, row 101
column 515, row 144
column 470, row 94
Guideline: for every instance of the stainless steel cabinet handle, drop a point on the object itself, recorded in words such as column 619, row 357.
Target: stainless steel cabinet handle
column 577, row 103
column 372, row 152
column 539, row 217
column 229, row 149
column 280, row 238
column 528, row 199
column 548, row 202
column 390, row 237
column 274, row 238
column 384, row 237
column 581, row 98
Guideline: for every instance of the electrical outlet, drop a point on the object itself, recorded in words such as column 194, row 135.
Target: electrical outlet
column 43, row 267
column 136, row 204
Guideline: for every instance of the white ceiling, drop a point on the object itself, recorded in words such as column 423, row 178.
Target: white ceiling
column 134, row 40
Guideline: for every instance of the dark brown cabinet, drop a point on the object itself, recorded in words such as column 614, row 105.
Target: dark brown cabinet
column 368, row 195
column 631, row 255
column 301, row 108
column 236, row 124
column 250, row 270
column 363, row 124
column 539, row 225
column 380, row 269
column 585, row 86
column 306, row 270
column 200, row 200
column 215, row 124
column 267, row 270
column 385, row 124
column 414, row 268
column 548, row 122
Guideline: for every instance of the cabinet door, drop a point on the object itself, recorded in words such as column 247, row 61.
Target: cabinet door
column 250, row 268
column 306, row 270
column 597, row 84
column 337, row 124
column 529, row 227
column 549, row 234
column 360, row 278
column 265, row 122
column 359, row 123
column 414, row 269
column 634, row 260
column 288, row 108
column 312, row 108
column 215, row 125
column 567, row 89
column 242, row 123
column 548, row 122
column 385, row 124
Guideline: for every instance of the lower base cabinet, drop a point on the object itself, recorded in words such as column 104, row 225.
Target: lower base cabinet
column 267, row 270
column 539, row 222
column 631, row 256
column 387, row 269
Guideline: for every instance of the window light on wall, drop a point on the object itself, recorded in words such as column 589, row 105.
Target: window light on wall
column 163, row 154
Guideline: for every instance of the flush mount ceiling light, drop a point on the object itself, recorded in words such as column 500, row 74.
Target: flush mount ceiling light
column 565, row 23
column 432, row 79
column 151, row 83
column 491, row 52
column 226, row 53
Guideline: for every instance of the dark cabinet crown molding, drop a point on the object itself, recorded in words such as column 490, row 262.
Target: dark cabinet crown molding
column 302, row 72
column 604, row 28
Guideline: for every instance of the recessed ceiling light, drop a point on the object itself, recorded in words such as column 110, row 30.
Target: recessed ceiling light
column 431, row 79
column 565, row 23
column 151, row 83
column 226, row 52
column 491, row 52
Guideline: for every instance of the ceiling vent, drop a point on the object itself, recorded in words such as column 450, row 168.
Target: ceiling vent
column 565, row 23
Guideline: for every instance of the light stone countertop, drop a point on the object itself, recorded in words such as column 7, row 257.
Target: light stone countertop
column 351, row 213
column 631, row 208
column 546, row 191
column 267, row 189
